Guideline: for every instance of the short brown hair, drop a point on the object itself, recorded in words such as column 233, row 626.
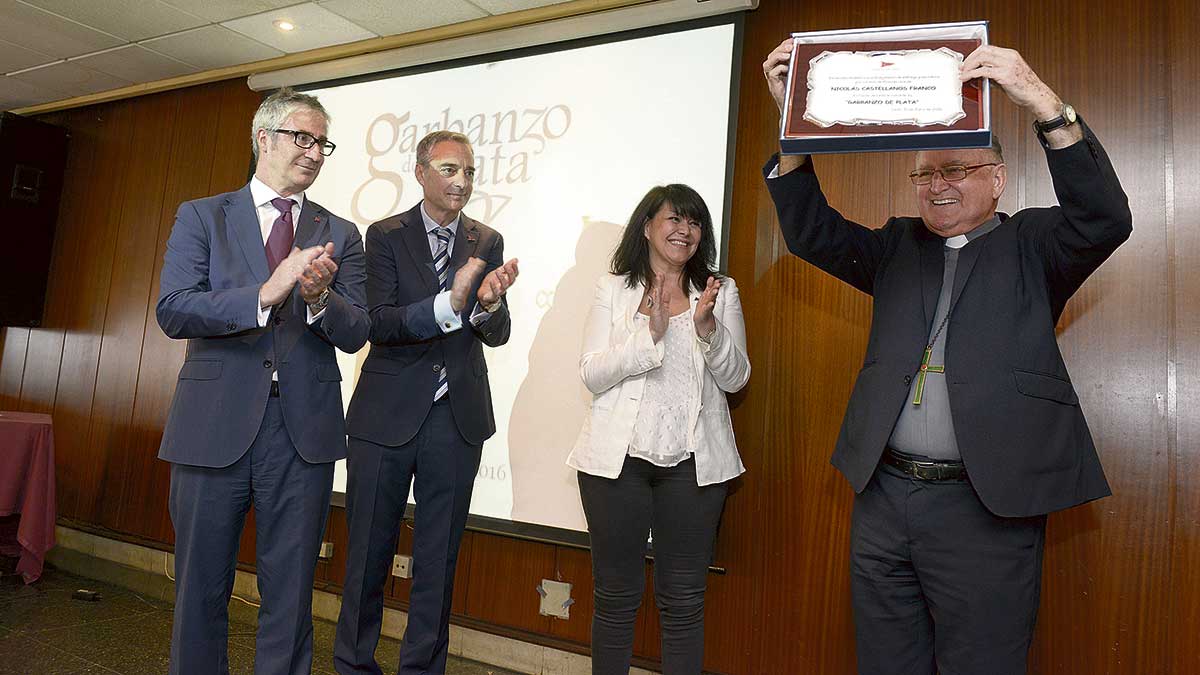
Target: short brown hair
column 425, row 146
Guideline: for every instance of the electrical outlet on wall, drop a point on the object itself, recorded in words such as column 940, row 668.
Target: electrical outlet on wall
column 402, row 566
column 556, row 599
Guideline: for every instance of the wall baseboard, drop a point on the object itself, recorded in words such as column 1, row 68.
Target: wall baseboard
column 146, row 570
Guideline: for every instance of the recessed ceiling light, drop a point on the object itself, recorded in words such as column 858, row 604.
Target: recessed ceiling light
column 285, row 25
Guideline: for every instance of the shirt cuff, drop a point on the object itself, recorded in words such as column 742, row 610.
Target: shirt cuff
column 480, row 315
column 444, row 315
column 312, row 318
column 774, row 172
column 263, row 314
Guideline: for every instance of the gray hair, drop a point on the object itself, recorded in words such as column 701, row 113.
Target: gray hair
column 275, row 109
column 425, row 146
column 996, row 149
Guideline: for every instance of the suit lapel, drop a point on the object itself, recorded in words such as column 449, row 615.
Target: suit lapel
column 966, row 263
column 242, row 218
column 933, row 263
column 313, row 227
column 417, row 241
column 466, row 240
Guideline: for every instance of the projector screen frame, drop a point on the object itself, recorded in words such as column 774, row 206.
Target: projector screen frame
column 533, row 531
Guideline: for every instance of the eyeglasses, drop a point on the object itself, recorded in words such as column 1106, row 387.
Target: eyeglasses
column 306, row 140
column 951, row 174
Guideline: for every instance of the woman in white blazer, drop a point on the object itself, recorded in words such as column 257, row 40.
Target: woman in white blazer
column 664, row 342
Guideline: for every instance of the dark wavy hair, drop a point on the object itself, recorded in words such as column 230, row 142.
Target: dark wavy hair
column 632, row 257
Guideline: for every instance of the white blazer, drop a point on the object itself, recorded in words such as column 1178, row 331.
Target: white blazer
column 618, row 352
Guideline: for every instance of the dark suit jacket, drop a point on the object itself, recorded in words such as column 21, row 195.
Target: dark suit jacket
column 213, row 268
column 1017, row 419
column 395, row 390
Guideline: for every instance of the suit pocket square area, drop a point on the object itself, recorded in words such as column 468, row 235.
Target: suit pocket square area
column 1048, row 387
column 200, row 370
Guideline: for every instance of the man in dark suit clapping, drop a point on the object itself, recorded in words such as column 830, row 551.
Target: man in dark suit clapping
column 263, row 283
column 422, row 408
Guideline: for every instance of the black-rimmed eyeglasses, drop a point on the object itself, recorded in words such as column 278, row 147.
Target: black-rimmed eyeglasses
column 951, row 174
column 306, row 140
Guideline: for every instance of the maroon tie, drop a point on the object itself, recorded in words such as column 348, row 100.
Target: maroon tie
column 279, row 243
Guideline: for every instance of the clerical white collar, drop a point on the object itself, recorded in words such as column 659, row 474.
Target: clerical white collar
column 961, row 240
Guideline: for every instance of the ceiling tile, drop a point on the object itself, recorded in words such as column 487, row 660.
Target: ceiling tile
column 31, row 28
column 17, row 94
column 211, row 47
column 136, row 64
column 128, row 19
column 315, row 27
column 506, row 6
column 14, row 57
column 224, row 10
column 381, row 15
column 71, row 79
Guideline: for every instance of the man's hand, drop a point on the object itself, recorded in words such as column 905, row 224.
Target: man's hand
column 705, row 322
column 318, row 275
column 496, row 283
column 285, row 276
column 775, row 69
column 464, row 279
column 1006, row 68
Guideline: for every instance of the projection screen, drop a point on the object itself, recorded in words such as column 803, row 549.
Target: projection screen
column 567, row 140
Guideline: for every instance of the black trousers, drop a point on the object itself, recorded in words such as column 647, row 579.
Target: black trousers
column 441, row 467
column 939, row 584
column 621, row 513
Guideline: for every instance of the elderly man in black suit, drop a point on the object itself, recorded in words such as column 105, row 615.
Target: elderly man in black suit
column 963, row 430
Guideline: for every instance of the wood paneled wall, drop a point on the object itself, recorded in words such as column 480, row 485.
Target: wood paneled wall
column 1122, row 576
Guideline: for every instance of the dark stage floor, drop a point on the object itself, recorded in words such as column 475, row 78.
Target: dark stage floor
column 43, row 631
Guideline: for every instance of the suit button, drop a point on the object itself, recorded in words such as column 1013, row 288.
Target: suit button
column 908, row 379
column 278, row 319
column 437, row 368
column 231, row 326
column 267, row 363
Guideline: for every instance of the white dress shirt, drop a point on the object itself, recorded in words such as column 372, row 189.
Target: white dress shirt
column 267, row 213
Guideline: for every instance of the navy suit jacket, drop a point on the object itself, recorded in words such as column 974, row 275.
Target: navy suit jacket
column 214, row 265
column 395, row 390
column 1017, row 419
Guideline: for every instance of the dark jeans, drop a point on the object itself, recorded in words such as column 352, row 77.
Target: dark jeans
column 939, row 584
column 621, row 513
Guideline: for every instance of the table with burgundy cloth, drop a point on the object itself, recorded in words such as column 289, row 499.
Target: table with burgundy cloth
column 27, row 488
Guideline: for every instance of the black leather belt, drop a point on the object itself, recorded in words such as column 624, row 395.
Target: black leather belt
column 926, row 469
column 274, row 388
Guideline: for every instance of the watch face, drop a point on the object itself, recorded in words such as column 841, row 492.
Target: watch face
column 1068, row 113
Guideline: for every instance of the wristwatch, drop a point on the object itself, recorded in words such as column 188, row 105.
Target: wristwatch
column 1066, row 117
column 321, row 303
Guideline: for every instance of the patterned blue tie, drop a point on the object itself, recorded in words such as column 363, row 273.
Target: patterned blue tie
column 441, row 265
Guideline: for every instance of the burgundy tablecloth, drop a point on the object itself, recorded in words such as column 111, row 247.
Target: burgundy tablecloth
column 27, row 487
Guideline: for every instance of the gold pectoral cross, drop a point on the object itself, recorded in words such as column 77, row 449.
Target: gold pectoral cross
column 925, row 368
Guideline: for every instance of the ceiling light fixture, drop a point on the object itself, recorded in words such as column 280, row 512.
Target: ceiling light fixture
column 285, row 25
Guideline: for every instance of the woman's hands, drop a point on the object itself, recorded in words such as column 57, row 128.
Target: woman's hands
column 658, row 307
column 705, row 322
